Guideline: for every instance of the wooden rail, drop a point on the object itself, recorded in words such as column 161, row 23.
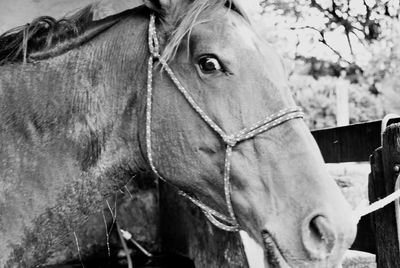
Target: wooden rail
column 353, row 143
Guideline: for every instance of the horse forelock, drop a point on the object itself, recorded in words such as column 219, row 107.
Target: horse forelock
column 42, row 33
column 198, row 11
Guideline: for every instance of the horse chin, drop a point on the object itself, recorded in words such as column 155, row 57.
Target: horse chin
column 273, row 255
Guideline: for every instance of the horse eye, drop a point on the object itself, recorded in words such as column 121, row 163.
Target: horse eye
column 209, row 64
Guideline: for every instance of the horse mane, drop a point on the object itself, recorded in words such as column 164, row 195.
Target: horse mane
column 198, row 12
column 47, row 37
column 42, row 33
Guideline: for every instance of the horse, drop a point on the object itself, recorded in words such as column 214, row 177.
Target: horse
column 187, row 90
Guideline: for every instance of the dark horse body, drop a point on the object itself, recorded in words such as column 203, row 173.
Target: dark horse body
column 74, row 139
column 72, row 132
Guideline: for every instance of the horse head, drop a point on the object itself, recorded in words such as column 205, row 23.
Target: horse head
column 272, row 183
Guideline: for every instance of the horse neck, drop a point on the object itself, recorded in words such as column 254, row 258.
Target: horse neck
column 69, row 132
column 91, row 92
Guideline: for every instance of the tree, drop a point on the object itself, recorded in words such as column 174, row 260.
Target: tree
column 355, row 40
column 359, row 20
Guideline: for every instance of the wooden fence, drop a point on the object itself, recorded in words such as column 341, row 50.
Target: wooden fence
column 184, row 230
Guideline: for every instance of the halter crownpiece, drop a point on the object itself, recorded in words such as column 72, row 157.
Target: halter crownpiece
column 227, row 223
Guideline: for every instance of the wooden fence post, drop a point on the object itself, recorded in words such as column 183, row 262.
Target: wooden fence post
column 186, row 231
column 342, row 105
column 382, row 183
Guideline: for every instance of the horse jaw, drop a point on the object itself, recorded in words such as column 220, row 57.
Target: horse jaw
column 291, row 210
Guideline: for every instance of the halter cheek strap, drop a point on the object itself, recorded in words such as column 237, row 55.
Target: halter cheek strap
column 227, row 223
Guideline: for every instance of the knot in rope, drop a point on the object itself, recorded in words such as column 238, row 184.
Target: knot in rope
column 230, row 140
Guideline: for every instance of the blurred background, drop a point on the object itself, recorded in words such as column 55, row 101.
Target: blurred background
column 343, row 56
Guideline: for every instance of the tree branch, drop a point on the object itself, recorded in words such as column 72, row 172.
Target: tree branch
column 323, row 41
column 349, row 42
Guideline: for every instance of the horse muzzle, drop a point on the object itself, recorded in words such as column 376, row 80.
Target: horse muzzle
column 323, row 242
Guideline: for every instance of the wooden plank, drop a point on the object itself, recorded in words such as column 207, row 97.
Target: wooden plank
column 353, row 143
column 342, row 104
column 365, row 238
column 381, row 184
column 186, row 231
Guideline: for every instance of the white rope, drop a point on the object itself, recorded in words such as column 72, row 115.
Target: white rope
column 227, row 223
column 365, row 210
column 397, row 189
column 393, row 197
column 227, row 186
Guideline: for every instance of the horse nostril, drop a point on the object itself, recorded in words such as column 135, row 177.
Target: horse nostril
column 318, row 237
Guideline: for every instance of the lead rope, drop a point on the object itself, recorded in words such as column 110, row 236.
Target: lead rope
column 365, row 210
column 393, row 197
column 227, row 223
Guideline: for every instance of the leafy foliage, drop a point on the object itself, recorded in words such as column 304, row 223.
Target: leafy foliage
column 317, row 97
column 365, row 20
column 336, row 43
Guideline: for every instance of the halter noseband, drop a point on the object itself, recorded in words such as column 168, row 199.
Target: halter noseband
column 227, row 223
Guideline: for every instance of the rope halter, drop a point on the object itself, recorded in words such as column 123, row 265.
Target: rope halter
column 227, row 223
